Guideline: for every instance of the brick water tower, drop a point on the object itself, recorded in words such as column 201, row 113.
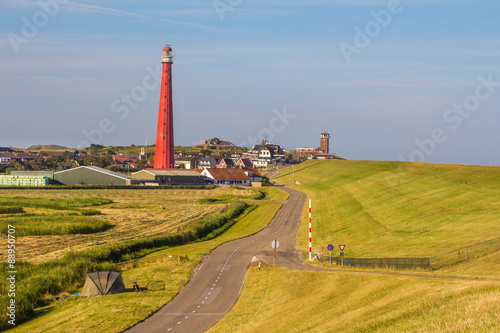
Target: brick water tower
column 164, row 152
column 325, row 142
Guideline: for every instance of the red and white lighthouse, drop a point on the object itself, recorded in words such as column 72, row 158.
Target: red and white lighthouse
column 164, row 152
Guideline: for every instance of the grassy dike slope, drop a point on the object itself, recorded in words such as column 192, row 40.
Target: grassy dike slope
column 390, row 209
column 383, row 209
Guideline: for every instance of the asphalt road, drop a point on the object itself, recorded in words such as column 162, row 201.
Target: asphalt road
column 216, row 284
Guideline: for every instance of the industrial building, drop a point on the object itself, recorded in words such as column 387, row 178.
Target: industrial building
column 48, row 174
column 90, row 175
column 170, row 177
column 23, row 180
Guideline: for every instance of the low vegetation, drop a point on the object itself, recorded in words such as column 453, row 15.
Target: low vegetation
column 131, row 214
column 53, row 203
column 53, row 225
column 347, row 302
column 11, row 210
column 163, row 275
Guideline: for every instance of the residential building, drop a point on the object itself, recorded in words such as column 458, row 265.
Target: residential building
column 266, row 154
column 234, row 156
column 225, row 163
column 207, row 162
column 227, row 176
column 244, row 162
column 185, row 163
column 24, row 157
column 124, row 161
column 254, row 175
column 7, row 158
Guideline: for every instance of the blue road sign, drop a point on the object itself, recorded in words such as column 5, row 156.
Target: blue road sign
column 330, row 247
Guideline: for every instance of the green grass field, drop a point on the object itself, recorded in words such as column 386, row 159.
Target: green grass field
column 383, row 209
column 283, row 300
column 390, row 209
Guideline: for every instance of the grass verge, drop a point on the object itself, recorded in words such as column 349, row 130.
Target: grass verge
column 282, row 300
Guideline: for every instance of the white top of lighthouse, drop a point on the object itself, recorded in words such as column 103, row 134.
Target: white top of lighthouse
column 166, row 55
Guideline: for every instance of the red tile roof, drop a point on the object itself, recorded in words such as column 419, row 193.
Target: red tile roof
column 228, row 174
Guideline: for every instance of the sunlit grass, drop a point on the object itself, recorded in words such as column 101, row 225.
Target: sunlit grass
column 390, row 209
column 282, row 300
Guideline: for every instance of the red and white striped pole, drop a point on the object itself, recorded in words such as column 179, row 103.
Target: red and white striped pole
column 310, row 239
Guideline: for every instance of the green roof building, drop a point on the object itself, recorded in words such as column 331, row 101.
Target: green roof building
column 90, row 175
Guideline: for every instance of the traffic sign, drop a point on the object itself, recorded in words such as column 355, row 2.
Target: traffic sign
column 275, row 244
column 341, row 247
column 330, row 247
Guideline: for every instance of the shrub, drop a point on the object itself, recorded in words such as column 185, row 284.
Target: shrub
column 53, row 225
column 11, row 210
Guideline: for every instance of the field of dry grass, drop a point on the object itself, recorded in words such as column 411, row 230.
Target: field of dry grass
column 133, row 214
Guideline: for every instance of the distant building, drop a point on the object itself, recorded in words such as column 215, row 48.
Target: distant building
column 324, row 144
column 79, row 153
column 254, row 175
column 225, row 163
column 234, row 156
column 244, row 162
column 90, row 175
column 207, row 162
column 227, row 176
column 323, row 149
column 170, row 177
column 24, row 180
column 217, row 144
column 305, row 150
column 266, row 154
column 125, row 161
column 185, row 163
column 25, row 157
column 48, row 174
column 7, row 158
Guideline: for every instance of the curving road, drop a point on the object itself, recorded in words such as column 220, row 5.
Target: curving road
column 216, row 285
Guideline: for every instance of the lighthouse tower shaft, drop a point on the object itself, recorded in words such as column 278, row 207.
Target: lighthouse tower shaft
column 164, row 152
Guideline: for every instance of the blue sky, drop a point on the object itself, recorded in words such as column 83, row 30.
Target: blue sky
column 389, row 80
